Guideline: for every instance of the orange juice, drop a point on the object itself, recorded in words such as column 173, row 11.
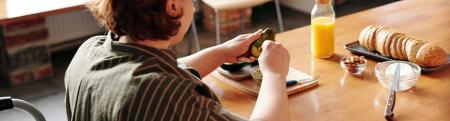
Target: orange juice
column 322, row 37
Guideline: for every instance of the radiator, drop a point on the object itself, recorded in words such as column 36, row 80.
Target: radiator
column 68, row 30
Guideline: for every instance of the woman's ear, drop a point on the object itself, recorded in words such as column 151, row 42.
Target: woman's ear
column 173, row 8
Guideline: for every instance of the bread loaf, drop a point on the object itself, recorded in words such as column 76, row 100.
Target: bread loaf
column 391, row 43
column 430, row 55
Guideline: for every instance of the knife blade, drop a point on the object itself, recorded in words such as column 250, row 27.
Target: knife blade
column 389, row 112
column 396, row 79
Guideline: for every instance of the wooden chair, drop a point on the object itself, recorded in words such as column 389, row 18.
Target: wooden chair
column 194, row 38
column 193, row 28
column 219, row 5
column 8, row 103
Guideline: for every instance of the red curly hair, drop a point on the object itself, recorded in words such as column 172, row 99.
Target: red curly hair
column 138, row 19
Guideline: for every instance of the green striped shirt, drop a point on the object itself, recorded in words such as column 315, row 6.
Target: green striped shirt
column 112, row 81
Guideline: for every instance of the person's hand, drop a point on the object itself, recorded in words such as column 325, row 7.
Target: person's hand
column 274, row 59
column 236, row 49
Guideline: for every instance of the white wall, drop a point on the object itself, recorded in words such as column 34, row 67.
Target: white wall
column 300, row 5
column 66, row 28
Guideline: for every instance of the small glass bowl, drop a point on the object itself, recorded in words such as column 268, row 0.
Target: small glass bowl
column 356, row 70
column 409, row 74
column 257, row 76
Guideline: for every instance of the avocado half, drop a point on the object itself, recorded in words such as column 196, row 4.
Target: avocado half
column 256, row 46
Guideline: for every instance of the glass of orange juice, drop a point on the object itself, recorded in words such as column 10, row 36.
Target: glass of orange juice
column 322, row 29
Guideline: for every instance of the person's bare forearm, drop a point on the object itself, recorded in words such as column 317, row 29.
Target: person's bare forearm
column 205, row 61
column 272, row 102
column 209, row 59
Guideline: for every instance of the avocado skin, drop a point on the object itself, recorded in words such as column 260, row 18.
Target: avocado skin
column 233, row 67
column 256, row 47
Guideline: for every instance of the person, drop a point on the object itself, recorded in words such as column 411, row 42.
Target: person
column 131, row 75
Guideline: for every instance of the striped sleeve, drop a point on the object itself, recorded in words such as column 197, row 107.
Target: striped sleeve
column 171, row 98
column 223, row 115
column 190, row 69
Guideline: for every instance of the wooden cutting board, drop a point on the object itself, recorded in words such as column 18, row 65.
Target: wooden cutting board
column 248, row 85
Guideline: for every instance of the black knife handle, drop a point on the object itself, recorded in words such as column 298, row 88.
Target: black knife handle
column 389, row 112
column 290, row 83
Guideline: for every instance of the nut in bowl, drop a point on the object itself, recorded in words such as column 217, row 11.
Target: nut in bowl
column 353, row 64
column 409, row 74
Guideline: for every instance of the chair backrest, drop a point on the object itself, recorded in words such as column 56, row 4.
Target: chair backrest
column 7, row 103
column 233, row 4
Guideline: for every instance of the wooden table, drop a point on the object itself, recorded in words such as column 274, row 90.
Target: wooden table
column 340, row 96
column 16, row 10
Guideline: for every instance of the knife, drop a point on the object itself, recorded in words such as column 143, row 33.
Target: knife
column 301, row 81
column 389, row 112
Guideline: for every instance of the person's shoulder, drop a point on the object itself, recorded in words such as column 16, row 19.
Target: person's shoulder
column 95, row 40
column 159, row 75
column 81, row 60
column 168, row 78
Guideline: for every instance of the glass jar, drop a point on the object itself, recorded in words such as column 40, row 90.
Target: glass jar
column 322, row 29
